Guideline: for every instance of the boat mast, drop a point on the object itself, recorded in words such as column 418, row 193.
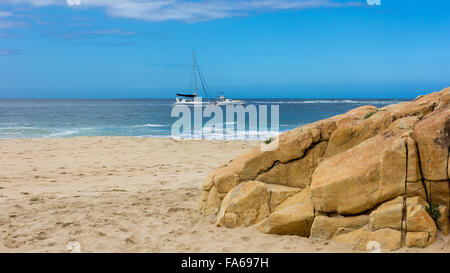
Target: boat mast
column 195, row 73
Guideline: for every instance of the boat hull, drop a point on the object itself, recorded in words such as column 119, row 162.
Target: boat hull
column 230, row 103
column 203, row 104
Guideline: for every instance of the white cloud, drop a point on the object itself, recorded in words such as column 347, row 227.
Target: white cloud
column 88, row 35
column 12, row 24
column 191, row 10
column 6, row 52
column 5, row 14
column 37, row 3
column 7, row 24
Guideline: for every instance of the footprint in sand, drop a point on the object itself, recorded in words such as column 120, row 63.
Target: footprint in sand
column 41, row 236
column 132, row 240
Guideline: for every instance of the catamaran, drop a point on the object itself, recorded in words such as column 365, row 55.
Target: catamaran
column 193, row 99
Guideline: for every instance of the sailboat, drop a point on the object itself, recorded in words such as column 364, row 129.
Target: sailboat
column 192, row 99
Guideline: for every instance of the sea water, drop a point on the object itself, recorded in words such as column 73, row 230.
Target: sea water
column 37, row 118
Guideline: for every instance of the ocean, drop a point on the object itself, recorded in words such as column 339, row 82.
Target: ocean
column 48, row 118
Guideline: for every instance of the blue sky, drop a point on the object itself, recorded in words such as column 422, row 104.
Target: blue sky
column 246, row 48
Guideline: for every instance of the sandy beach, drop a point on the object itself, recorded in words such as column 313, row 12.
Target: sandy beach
column 125, row 194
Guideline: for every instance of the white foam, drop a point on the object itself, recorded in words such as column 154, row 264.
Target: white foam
column 150, row 125
column 64, row 133
column 229, row 135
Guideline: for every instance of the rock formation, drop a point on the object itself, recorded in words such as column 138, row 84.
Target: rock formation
column 368, row 175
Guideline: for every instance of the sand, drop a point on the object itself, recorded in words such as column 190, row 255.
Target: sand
column 125, row 194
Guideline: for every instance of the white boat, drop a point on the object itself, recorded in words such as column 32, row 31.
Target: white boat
column 190, row 101
column 193, row 99
column 222, row 100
